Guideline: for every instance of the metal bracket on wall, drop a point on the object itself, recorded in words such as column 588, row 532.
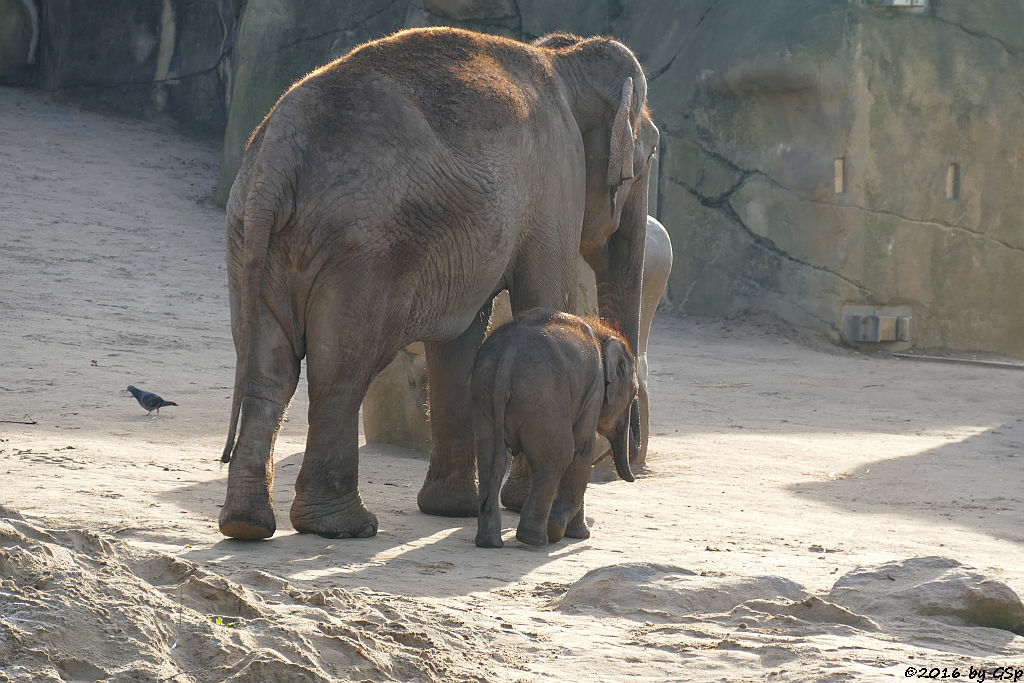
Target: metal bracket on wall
column 908, row 4
column 887, row 327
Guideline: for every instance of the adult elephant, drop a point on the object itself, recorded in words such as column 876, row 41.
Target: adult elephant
column 385, row 199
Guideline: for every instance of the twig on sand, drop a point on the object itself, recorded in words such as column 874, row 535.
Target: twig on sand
column 25, row 420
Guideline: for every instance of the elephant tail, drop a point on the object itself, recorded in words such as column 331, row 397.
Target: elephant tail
column 489, row 425
column 262, row 212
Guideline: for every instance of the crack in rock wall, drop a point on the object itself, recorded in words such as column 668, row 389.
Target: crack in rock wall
column 909, row 107
column 815, row 154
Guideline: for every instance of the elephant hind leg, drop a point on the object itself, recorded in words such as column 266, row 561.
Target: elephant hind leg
column 490, row 450
column 569, row 499
column 273, row 373
column 327, row 500
column 517, row 486
column 346, row 347
column 549, row 448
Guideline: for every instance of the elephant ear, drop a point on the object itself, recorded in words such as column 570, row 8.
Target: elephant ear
column 620, row 157
column 617, row 373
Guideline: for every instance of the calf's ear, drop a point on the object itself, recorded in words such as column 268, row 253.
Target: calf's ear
column 618, row 365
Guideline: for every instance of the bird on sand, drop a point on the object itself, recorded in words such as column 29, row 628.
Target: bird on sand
column 148, row 400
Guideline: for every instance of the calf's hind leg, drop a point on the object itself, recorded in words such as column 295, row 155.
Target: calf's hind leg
column 566, row 518
column 549, row 448
column 490, row 462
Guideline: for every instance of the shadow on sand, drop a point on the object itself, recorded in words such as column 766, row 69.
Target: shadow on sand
column 423, row 550
column 977, row 483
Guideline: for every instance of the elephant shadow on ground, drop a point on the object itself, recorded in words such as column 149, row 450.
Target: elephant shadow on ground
column 415, row 554
column 973, row 483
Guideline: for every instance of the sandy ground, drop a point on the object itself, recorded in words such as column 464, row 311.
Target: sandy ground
column 778, row 467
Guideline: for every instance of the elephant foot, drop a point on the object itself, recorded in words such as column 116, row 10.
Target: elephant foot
column 577, row 528
column 555, row 532
column 333, row 520
column 534, row 537
column 517, row 486
column 249, row 527
column 489, row 540
column 451, row 497
column 248, row 512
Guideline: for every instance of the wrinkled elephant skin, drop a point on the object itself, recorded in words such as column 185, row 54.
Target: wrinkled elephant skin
column 385, row 199
column 543, row 386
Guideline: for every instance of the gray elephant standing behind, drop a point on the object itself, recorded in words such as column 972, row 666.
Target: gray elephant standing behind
column 543, row 386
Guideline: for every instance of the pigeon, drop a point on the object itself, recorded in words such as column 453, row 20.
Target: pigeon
column 148, row 400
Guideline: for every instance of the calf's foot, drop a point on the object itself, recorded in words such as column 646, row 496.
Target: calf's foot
column 489, row 539
column 577, row 527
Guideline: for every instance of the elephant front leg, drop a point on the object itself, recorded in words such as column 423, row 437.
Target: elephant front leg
column 450, row 486
column 577, row 526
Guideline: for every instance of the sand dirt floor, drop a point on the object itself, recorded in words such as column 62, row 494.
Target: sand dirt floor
column 809, row 513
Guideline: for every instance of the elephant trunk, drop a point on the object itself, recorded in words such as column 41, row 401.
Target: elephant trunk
column 635, row 427
column 620, row 449
column 619, row 301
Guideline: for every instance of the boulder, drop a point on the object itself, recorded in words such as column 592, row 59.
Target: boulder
column 936, row 587
column 647, row 592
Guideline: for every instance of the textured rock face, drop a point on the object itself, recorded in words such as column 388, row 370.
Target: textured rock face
column 836, row 153
column 149, row 59
column 815, row 153
column 395, row 406
column 280, row 41
column 19, row 40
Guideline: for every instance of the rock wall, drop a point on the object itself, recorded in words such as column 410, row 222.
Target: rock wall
column 816, row 154
column 156, row 59
column 836, row 153
column 19, row 41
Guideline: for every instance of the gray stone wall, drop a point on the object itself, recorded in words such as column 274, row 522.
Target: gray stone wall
column 840, row 153
column 816, row 154
column 169, row 59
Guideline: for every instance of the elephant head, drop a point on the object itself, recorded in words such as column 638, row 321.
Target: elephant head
column 607, row 92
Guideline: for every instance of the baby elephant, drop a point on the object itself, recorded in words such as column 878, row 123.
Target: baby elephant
column 542, row 386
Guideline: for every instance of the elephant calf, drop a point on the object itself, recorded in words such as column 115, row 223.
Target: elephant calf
column 543, row 386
